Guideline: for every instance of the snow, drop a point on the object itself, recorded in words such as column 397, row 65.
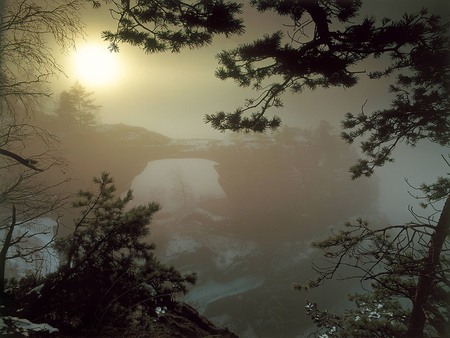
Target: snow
column 181, row 244
column 15, row 325
column 196, row 144
column 177, row 184
column 227, row 251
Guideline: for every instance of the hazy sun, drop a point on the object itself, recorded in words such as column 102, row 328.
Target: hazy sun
column 95, row 65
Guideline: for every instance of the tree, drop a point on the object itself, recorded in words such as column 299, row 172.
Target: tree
column 76, row 105
column 109, row 271
column 26, row 150
column 406, row 261
column 25, row 196
column 403, row 268
column 158, row 26
column 28, row 62
column 326, row 46
column 403, row 261
column 394, row 263
column 23, row 240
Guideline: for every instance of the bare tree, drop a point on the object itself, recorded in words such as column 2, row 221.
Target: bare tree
column 29, row 30
column 182, row 187
column 25, row 194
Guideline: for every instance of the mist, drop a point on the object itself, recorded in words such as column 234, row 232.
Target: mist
column 239, row 209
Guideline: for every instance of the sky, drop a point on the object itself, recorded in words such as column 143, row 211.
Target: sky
column 171, row 93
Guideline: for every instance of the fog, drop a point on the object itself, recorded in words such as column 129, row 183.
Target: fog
column 170, row 94
column 239, row 209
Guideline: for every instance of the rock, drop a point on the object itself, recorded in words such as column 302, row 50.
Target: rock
column 184, row 321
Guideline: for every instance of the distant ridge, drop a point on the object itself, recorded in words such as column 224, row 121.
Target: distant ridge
column 131, row 134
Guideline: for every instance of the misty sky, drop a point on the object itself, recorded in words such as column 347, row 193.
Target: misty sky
column 171, row 93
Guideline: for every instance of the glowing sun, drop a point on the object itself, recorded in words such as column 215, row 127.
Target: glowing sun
column 95, row 65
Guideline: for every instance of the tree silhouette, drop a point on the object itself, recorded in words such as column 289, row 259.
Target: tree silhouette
column 158, row 26
column 76, row 106
column 109, row 271
column 396, row 262
column 26, row 29
column 27, row 62
column 325, row 46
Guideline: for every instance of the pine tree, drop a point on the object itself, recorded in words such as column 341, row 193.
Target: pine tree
column 403, row 268
column 327, row 45
column 109, row 273
column 159, row 26
column 76, row 106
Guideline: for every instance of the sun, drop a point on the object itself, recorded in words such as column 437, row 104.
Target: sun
column 95, row 65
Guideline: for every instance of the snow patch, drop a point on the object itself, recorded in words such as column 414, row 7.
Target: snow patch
column 227, row 251
column 230, row 250
column 181, row 244
column 14, row 325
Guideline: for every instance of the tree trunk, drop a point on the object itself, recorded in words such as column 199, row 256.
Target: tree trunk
column 4, row 251
column 428, row 274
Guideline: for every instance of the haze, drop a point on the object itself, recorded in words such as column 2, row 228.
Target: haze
column 171, row 93
column 238, row 209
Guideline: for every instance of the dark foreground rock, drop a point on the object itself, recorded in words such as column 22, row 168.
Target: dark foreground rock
column 181, row 322
column 186, row 322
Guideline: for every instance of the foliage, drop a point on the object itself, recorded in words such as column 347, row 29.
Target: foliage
column 324, row 47
column 420, row 108
column 76, row 106
column 404, row 268
column 110, row 273
column 158, row 26
column 372, row 317
column 327, row 44
column 437, row 191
